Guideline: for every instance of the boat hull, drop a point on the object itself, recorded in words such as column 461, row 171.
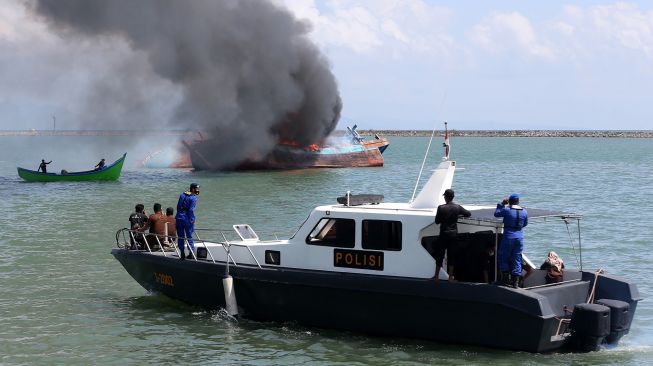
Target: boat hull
column 465, row 313
column 289, row 157
column 109, row 173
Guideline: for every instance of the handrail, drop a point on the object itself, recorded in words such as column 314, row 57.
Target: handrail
column 131, row 241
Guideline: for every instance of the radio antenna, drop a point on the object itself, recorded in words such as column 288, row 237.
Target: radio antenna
column 422, row 168
column 446, row 141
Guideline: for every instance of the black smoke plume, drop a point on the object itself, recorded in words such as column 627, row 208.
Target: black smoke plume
column 246, row 70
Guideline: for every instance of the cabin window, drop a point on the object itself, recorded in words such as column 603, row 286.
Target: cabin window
column 333, row 232
column 381, row 235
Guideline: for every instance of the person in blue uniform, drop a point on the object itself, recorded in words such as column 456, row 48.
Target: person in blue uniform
column 185, row 219
column 515, row 218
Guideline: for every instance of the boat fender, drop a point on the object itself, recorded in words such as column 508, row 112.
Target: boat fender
column 619, row 319
column 590, row 324
column 230, row 296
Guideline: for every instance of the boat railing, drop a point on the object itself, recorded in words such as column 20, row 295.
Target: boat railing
column 230, row 234
column 153, row 243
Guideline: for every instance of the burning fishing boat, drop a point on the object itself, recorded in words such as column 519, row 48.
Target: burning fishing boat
column 351, row 150
column 288, row 155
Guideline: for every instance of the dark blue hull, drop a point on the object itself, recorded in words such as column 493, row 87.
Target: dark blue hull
column 465, row 313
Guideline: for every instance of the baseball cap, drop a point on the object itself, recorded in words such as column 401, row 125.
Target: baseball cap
column 194, row 185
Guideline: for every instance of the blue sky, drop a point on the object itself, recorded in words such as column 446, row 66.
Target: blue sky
column 408, row 64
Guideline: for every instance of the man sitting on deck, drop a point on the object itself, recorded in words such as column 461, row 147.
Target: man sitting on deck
column 137, row 221
column 170, row 222
column 155, row 224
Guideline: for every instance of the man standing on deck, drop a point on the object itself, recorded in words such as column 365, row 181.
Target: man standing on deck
column 185, row 219
column 512, row 243
column 44, row 166
column 447, row 217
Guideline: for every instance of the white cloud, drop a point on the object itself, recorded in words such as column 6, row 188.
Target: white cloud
column 502, row 31
column 366, row 26
column 623, row 25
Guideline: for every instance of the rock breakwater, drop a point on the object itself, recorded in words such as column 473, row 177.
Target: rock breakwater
column 514, row 133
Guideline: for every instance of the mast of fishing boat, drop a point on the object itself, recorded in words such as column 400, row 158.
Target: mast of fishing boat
column 441, row 179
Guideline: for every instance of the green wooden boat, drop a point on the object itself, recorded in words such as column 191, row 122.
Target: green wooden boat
column 109, row 172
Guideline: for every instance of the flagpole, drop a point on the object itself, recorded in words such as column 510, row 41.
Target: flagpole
column 446, row 145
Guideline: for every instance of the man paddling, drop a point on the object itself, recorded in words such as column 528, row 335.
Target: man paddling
column 44, row 166
column 185, row 219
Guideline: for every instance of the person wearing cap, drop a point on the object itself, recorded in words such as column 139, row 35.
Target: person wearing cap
column 447, row 217
column 185, row 219
column 515, row 218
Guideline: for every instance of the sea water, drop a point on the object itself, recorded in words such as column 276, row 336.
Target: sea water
column 65, row 300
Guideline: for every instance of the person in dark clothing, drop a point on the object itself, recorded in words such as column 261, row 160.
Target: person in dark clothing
column 185, row 219
column 44, row 166
column 447, row 217
column 511, row 247
column 137, row 221
column 99, row 165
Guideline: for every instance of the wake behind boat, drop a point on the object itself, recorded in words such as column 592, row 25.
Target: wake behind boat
column 362, row 265
column 109, row 172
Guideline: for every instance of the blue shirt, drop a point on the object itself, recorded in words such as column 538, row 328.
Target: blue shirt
column 514, row 219
column 186, row 207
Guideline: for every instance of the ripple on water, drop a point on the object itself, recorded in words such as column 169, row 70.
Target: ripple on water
column 65, row 300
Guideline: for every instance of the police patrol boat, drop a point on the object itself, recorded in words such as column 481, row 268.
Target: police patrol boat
column 363, row 265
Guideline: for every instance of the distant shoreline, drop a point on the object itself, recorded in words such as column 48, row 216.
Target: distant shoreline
column 513, row 133
column 398, row 133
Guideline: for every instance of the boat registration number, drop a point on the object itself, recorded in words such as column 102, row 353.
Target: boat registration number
column 362, row 259
column 163, row 279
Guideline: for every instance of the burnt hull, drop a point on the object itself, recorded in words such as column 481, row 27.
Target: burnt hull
column 464, row 313
column 285, row 157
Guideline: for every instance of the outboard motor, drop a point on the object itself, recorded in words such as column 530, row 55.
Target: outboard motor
column 590, row 324
column 619, row 316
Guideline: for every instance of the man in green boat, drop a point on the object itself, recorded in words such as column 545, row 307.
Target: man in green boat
column 99, row 165
column 43, row 167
